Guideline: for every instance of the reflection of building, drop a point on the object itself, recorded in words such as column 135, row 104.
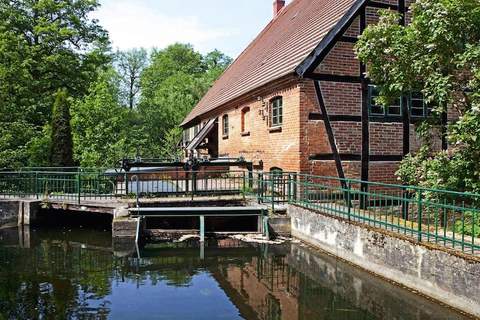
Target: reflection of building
column 268, row 287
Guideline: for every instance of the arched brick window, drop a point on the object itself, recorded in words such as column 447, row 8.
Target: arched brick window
column 225, row 128
column 245, row 120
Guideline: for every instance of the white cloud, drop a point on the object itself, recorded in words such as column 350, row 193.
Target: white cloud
column 136, row 24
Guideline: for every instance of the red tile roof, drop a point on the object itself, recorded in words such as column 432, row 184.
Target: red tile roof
column 284, row 43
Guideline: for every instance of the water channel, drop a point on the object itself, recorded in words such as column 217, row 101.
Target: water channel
column 73, row 273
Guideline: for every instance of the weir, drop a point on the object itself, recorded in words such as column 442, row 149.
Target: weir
column 201, row 213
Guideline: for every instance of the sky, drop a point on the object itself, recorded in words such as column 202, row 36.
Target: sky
column 226, row 25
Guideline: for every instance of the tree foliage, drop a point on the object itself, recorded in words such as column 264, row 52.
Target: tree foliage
column 130, row 65
column 438, row 54
column 45, row 45
column 172, row 84
column 101, row 124
column 120, row 104
column 61, row 133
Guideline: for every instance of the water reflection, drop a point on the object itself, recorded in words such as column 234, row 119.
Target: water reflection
column 75, row 274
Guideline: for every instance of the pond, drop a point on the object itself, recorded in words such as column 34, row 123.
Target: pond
column 75, row 274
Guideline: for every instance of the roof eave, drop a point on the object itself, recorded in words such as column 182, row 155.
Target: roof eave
column 308, row 65
column 186, row 122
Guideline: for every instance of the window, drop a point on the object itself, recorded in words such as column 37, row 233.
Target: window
column 276, row 175
column 186, row 136
column 276, row 112
column 418, row 107
column 276, row 170
column 378, row 110
column 225, row 125
column 196, row 129
column 245, row 119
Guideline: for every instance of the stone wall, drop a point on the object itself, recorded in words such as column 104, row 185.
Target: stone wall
column 9, row 213
column 362, row 290
column 446, row 277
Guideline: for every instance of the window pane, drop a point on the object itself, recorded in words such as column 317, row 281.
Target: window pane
column 417, row 105
column 225, row 125
column 416, row 112
column 394, row 111
column 276, row 112
column 376, row 110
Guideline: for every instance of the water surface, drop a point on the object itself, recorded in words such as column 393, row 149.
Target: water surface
column 59, row 274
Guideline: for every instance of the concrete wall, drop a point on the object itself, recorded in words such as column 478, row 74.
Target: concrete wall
column 18, row 212
column 9, row 213
column 361, row 289
column 443, row 276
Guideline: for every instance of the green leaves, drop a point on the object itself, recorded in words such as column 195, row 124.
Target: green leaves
column 175, row 81
column 61, row 135
column 439, row 54
column 100, row 124
column 45, row 45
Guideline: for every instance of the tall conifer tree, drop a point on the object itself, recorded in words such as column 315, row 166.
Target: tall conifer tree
column 62, row 144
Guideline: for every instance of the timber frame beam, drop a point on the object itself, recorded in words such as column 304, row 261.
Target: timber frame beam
column 329, row 130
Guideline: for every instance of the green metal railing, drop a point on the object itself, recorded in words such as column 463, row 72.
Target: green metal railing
column 446, row 218
column 68, row 185
column 93, row 185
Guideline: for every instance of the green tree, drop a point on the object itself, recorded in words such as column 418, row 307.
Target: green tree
column 61, row 133
column 101, row 126
column 45, row 45
column 176, row 79
column 438, row 54
column 130, row 65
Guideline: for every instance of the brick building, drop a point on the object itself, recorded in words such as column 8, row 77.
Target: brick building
column 297, row 98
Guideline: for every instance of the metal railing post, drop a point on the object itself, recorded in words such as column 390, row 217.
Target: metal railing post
column 405, row 203
column 125, row 179
column 194, row 183
column 79, row 187
column 349, row 199
column 244, row 187
column 420, row 214
column 295, row 187
column 36, row 185
column 272, row 185
column 289, row 188
column 259, row 187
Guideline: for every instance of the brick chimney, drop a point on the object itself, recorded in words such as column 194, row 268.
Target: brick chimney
column 277, row 6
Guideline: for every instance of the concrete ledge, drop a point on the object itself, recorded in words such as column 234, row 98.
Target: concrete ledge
column 448, row 278
column 9, row 210
column 124, row 228
column 18, row 212
column 280, row 225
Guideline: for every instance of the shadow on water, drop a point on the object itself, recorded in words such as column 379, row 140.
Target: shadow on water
column 75, row 274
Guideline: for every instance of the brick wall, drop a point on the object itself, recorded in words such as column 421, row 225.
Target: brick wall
column 279, row 148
